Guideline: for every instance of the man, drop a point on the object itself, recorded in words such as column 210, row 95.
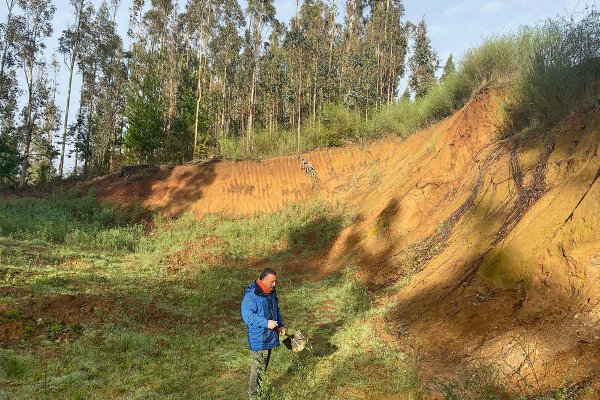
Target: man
column 260, row 311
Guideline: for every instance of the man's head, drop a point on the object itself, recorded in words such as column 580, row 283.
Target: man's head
column 268, row 278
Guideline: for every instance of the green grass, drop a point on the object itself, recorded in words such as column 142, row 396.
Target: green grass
column 168, row 335
column 71, row 217
column 559, row 72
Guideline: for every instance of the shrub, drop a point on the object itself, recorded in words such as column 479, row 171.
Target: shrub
column 342, row 123
column 560, row 72
column 493, row 62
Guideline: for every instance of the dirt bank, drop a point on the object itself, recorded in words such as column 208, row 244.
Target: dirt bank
column 492, row 246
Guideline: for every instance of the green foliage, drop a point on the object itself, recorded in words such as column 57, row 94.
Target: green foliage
column 9, row 159
column 145, row 129
column 298, row 228
column 548, row 70
column 343, row 124
column 406, row 117
column 493, row 62
column 354, row 297
column 423, row 62
column 449, row 67
column 13, row 365
column 559, row 72
column 72, row 217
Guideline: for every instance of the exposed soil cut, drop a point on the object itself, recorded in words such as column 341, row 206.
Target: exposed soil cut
column 497, row 242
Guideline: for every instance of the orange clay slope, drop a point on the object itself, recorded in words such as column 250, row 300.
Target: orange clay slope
column 490, row 248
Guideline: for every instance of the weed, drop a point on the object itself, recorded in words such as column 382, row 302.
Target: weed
column 12, row 314
column 13, row 365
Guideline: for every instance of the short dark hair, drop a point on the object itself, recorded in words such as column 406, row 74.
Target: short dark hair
column 267, row 271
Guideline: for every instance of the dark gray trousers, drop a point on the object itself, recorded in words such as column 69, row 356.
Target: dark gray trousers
column 260, row 361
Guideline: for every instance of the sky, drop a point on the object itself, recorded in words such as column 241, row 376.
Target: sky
column 453, row 26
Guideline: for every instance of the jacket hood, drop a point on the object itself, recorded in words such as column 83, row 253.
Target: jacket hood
column 251, row 287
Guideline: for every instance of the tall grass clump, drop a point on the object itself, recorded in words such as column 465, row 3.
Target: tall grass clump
column 79, row 219
column 263, row 143
column 336, row 126
column 560, row 73
column 492, row 63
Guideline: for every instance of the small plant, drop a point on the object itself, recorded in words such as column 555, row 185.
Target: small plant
column 12, row 314
column 354, row 298
column 13, row 365
column 55, row 330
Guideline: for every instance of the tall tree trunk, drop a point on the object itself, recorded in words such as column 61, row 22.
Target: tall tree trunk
column 198, row 89
column 257, row 36
column 251, row 112
column 299, row 108
column 71, row 70
column 314, row 92
column 28, row 129
column 329, row 64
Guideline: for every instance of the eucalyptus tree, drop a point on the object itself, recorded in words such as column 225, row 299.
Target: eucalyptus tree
column 9, row 87
column 9, row 91
column 273, row 80
column 260, row 15
column 9, row 30
column 111, row 81
column 333, row 35
column 201, row 17
column 69, row 45
column 146, row 105
column 353, row 58
column 37, row 26
column 315, row 19
column 45, row 116
column 144, row 98
column 388, row 36
column 224, row 57
column 88, row 65
column 449, row 68
column 423, row 62
column 295, row 45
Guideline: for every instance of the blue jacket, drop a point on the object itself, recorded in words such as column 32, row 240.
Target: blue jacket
column 257, row 309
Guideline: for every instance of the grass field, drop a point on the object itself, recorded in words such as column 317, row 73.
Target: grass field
column 97, row 301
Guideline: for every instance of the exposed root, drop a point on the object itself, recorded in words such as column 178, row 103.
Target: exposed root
column 570, row 217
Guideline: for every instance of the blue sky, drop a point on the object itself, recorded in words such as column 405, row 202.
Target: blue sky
column 454, row 26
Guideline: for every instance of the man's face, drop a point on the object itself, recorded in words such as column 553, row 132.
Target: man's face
column 269, row 281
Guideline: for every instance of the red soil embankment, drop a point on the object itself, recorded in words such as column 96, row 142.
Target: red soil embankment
column 496, row 242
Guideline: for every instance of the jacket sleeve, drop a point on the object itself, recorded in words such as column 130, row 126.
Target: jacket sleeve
column 250, row 314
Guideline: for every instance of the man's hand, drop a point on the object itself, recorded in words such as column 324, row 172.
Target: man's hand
column 272, row 324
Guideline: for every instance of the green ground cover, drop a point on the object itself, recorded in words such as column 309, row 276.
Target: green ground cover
column 165, row 322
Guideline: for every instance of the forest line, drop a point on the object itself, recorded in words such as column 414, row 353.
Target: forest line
column 192, row 81
column 210, row 78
